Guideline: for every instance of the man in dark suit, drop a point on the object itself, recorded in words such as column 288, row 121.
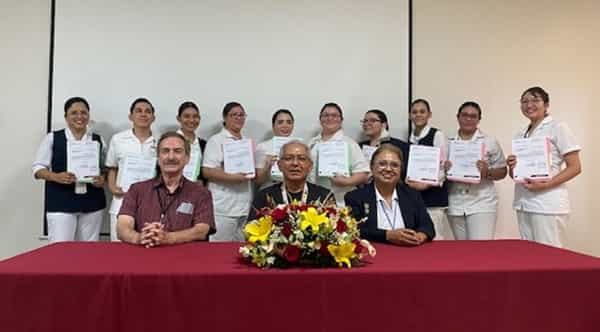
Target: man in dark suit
column 394, row 213
column 295, row 163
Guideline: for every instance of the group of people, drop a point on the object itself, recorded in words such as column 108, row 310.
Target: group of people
column 208, row 203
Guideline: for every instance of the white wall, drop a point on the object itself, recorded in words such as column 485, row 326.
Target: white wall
column 489, row 51
column 24, row 34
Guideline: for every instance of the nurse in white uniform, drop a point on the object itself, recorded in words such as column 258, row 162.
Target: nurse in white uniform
column 543, row 206
column 135, row 141
column 472, row 206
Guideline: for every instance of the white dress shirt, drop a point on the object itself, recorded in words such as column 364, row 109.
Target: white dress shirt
column 388, row 217
column 121, row 145
column 43, row 157
column 555, row 200
column 466, row 198
column 358, row 163
column 229, row 199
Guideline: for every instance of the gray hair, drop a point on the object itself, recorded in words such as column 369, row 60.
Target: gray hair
column 296, row 142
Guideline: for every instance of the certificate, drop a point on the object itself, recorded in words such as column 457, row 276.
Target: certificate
column 533, row 159
column 333, row 159
column 192, row 168
column 464, row 156
column 135, row 168
column 238, row 157
column 278, row 142
column 424, row 164
column 83, row 160
column 368, row 151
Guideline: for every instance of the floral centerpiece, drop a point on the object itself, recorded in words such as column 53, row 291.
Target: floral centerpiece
column 307, row 234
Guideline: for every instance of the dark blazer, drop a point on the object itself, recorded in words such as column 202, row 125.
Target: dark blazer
column 362, row 203
column 403, row 146
column 261, row 200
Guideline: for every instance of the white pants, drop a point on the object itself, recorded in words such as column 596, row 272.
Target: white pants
column 228, row 229
column 476, row 226
column 548, row 229
column 74, row 226
column 113, row 228
column 440, row 223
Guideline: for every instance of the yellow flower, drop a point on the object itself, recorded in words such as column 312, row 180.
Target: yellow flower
column 342, row 253
column 311, row 218
column 259, row 230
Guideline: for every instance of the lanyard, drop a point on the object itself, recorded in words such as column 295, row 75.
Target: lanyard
column 394, row 211
column 164, row 207
column 287, row 198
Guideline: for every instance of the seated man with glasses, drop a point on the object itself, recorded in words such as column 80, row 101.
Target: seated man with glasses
column 394, row 212
column 295, row 163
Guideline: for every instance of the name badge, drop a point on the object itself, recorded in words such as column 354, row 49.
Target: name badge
column 186, row 208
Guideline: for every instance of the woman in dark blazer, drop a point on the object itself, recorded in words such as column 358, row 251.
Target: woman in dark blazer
column 394, row 213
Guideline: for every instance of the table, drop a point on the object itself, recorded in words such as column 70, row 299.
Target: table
column 502, row 285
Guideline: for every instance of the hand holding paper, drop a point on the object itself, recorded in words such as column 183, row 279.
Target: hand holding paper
column 424, row 164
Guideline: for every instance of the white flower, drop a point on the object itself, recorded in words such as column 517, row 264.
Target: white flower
column 245, row 252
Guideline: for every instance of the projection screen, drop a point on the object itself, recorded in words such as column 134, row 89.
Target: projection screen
column 264, row 54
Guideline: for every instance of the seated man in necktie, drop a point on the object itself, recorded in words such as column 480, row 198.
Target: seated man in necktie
column 168, row 209
column 295, row 163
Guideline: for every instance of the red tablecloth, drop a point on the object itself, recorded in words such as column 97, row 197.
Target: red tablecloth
column 441, row 286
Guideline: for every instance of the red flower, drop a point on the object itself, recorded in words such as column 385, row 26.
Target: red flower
column 323, row 250
column 291, row 254
column 286, row 230
column 330, row 211
column 279, row 215
column 262, row 212
column 359, row 247
column 341, row 226
column 303, row 207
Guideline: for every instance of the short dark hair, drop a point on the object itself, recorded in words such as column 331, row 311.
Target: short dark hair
column 381, row 116
column 537, row 92
column 185, row 105
column 387, row 147
column 421, row 100
column 228, row 107
column 281, row 111
column 334, row 105
column 469, row 104
column 140, row 100
column 74, row 100
column 175, row 134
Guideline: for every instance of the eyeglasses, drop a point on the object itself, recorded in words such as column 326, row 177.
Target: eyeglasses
column 292, row 158
column 531, row 100
column 363, row 121
column 383, row 164
column 238, row 115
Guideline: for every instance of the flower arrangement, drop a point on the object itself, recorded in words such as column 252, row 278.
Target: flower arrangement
column 309, row 234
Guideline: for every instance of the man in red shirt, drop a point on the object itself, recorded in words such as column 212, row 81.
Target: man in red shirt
column 167, row 209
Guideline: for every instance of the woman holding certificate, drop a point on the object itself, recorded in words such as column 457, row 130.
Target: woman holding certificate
column 542, row 204
column 475, row 161
column 267, row 152
column 375, row 127
column 341, row 166
column 131, row 157
column 188, row 116
column 228, row 165
column 434, row 195
column 69, row 161
column 394, row 213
